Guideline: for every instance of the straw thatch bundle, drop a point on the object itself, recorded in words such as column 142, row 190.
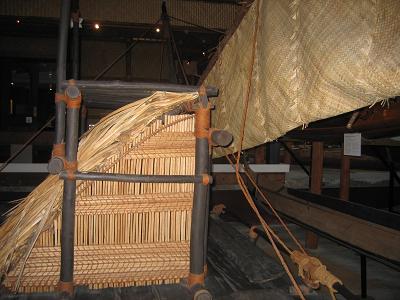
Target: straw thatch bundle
column 37, row 211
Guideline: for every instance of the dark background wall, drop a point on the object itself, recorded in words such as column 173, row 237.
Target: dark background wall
column 28, row 48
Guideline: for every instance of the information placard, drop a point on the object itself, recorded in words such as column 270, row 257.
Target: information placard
column 352, row 144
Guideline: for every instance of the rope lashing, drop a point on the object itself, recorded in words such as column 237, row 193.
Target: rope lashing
column 218, row 209
column 309, row 267
column 313, row 272
column 202, row 123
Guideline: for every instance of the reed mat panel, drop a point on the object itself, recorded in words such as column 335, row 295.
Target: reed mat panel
column 126, row 234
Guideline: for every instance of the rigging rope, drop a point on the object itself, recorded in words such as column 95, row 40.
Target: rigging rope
column 311, row 270
column 268, row 230
column 243, row 187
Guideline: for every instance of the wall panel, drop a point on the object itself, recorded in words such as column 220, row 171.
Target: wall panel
column 208, row 14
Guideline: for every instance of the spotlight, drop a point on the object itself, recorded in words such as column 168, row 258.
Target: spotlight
column 18, row 21
column 96, row 26
column 204, row 53
column 158, row 29
column 12, row 83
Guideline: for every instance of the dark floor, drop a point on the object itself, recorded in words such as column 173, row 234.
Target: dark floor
column 383, row 282
column 240, row 269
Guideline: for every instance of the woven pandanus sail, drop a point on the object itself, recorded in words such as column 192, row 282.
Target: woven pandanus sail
column 126, row 233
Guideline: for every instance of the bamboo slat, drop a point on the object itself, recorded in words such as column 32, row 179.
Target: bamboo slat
column 101, row 266
column 126, row 233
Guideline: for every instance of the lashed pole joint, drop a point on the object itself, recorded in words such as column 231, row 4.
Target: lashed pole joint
column 205, row 137
column 73, row 100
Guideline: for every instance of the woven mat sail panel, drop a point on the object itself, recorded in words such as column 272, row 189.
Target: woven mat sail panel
column 126, row 233
column 311, row 60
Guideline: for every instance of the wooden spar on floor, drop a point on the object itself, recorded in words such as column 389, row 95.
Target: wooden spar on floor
column 380, row 241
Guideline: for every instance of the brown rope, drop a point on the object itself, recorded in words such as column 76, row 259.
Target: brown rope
column 74, row 102
column 218, row 209
column 207, row 179
column 282, row 243
column 58, row 150
column 313, row 272
column 270, row 234
column 67, row 287
column 58, row 97
column 239, row 178
column 274, row 211
column 71, row 167
column 194, row 279
column 202, row 123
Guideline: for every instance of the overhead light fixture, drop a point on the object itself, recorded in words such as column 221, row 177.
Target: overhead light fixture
column 96, row 26
column 18, row 21
column 12, row 83
column 158, row 29
column 204, row 53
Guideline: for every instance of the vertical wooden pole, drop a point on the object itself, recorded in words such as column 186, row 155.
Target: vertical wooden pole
column 287, row 158
column 199, row 227
column 316, row 167
column 259, row 154
column 260, row 157
column 66, row 283
column 315, row 185
column 273, row 154
column 344, row 177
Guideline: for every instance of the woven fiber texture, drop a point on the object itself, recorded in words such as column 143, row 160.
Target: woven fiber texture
column 313, row 60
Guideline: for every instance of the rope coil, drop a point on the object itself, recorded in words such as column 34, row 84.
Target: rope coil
column 58, row 150
column 58, row 97
column 313, row 272
column 194, row 279
column 74, row 102
column 202, row 123
column 71, row 167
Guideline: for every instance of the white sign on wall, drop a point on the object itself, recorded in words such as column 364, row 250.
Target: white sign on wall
column 352, row 144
